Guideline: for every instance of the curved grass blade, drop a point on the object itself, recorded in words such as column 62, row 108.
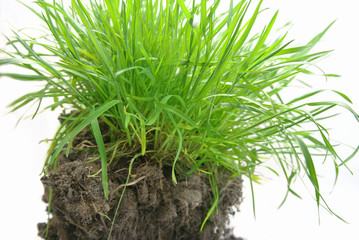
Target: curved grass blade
column 123, row 192
column 310, row 168
column 68, row 138
column 101, row 148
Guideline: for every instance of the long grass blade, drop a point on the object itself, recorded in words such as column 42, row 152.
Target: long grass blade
column 101, row 148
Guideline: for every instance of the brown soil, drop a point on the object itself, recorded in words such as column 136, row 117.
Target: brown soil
column 152, row 206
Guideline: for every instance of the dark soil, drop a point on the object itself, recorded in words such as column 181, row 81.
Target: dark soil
column 152, row 207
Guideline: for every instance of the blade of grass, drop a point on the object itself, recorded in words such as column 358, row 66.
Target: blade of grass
column 93, row 115
column 101, row 148
column 311, row 172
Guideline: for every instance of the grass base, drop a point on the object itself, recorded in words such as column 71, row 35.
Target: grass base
column 152, row 207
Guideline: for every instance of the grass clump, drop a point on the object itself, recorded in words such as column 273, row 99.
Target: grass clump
column 193, row 96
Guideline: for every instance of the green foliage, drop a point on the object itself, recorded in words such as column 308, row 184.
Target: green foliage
column 203, row 97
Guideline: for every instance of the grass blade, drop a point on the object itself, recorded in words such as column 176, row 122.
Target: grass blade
column 101, row 148
column 311, row 172
column 68, row 138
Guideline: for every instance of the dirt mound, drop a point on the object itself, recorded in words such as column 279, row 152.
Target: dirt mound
column 152, row 206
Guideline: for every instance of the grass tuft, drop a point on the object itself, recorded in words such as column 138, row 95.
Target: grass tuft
column 196, row 96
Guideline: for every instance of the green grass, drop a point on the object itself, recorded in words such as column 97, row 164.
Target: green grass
column 203, row 97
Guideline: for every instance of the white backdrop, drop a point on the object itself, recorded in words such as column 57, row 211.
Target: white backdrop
column 22, row 155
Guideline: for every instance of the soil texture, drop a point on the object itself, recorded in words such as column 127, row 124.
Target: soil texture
column 152, row 207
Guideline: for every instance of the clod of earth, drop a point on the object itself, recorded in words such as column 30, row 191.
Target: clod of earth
column 152, row 206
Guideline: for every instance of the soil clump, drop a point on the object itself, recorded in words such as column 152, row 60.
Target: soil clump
column 152, row 207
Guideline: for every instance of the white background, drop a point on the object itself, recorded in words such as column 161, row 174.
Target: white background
column 22, row 155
